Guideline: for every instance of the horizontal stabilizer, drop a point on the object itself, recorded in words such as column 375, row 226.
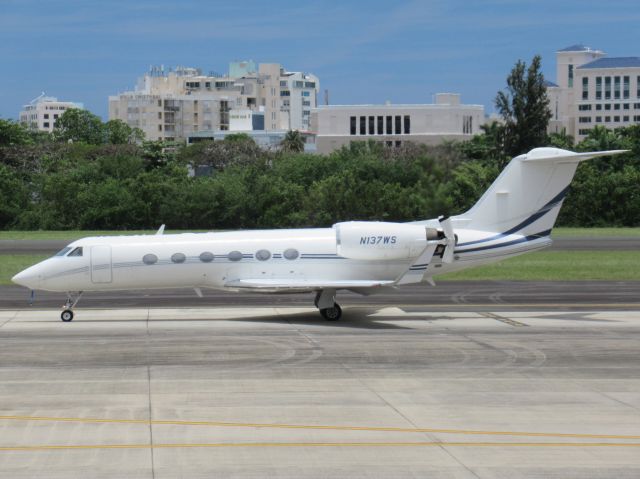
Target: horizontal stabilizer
column 303, row 284
column 556, row 154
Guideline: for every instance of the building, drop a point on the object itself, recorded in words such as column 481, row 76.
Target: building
column 42, row 112
column 177, row 104
column 446, row 119
column 593, row 89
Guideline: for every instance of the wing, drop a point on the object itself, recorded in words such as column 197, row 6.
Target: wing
column 302, row 285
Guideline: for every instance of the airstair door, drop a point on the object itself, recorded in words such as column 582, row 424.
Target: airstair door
column 101, row 264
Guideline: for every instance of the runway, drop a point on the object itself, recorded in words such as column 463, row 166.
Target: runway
column 275, row 391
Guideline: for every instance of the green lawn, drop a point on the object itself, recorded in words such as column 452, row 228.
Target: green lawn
column 558, row 266
column 10, row 264
column 73, row 235
column 542, row 266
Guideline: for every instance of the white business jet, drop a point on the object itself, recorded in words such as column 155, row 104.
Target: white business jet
column 514, row 216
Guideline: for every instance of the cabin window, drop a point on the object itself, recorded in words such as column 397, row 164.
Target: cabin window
column 63, row 251
column 206, row 257
column 149, row 259
column 291, row 254
column 263, row 255
column 76, row 252
column 235, row 256
column 178, row 258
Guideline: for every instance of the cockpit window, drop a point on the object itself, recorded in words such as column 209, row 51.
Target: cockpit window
column 63, row 251
column 76, row 252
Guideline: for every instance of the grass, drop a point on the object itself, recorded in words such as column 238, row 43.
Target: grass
column 10, row 264
column 75, row 234
column 539, row 266
column 558, row 266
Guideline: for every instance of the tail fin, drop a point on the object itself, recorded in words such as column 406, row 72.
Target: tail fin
column 527, row 196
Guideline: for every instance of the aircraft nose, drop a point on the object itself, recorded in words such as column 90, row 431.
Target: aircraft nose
column 29, row 278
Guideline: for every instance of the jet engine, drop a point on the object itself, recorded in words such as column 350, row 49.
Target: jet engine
column 374, row 240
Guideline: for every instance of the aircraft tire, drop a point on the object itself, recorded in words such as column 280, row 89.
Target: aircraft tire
column 66, row 315
column 332, row 314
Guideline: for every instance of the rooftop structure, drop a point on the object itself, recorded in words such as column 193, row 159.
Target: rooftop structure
column 42, row 112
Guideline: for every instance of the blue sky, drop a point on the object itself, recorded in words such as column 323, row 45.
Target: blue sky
column 363, row 51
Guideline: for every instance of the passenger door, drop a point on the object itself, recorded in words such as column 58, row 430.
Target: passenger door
column 101, row 264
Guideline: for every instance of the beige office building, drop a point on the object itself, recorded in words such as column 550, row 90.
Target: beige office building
column 593, row 89
column 392, row 125
column 177, row 104
column 42, row 112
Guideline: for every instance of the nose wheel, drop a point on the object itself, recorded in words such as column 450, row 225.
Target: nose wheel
column 72, row 300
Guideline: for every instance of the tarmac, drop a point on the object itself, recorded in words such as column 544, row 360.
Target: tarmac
column 259, row 390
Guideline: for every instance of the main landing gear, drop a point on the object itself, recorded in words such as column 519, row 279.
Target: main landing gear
column 67, row 308
column 326, row 303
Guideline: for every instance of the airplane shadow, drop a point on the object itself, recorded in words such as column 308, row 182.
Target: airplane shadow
column 351, row 319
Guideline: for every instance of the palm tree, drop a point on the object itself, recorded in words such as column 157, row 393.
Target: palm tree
column 293, row 141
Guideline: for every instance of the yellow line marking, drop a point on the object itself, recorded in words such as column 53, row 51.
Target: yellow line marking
column 319, row 444
column 320, row 427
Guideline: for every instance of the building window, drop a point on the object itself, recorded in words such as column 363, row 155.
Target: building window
column 372, row 125
column 398, row 143
column 585, row 88
column 380, row 125
column 398, row 128
column 616, row 106
column 46, row 116
column 607, row 106
column 638, row 87
column 45, row 124
column 607, row 119
column 467, row 124
column 616, row 119
column 625, row 87
column 598, row 119
column 598, row 107
column 584, row 132
column 570, row 77
column 607, row 88
column 616, row 89
column 584, row 107
column 389, row 125
column 625, row 106
column 352, row 125
column 407, row 125
column 363, row 125
column 584, row 119
column 625, row 118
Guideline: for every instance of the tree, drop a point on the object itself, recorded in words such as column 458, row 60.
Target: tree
column 293, row 142
column 79, row 126
column 13, row 133
column 117, row 132
column 524, row 108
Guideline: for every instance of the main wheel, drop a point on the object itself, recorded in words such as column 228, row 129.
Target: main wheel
column 66, row 315
column 332, row 314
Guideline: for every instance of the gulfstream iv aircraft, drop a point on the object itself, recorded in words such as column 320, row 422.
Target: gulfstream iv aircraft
column 514, row 216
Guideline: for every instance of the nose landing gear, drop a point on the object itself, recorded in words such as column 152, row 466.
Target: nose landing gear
column 67, row 308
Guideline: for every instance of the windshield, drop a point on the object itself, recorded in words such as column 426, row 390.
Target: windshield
column 63, row 251
column 76, row 252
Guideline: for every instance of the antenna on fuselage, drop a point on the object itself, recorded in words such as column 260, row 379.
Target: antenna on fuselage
column 160, row 230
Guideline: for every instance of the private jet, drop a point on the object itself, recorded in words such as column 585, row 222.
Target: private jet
column 514, row 216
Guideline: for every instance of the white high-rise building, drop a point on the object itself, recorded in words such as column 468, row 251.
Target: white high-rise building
column 177, row 104
column 42, row 112
column 593, row 89
column 393, row 125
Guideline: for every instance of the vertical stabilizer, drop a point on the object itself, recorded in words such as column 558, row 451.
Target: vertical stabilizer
column 527, row 196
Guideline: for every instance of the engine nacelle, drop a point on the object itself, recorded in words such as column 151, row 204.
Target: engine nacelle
column 375, row 240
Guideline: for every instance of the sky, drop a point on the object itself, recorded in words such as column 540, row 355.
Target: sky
column 364, row 51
